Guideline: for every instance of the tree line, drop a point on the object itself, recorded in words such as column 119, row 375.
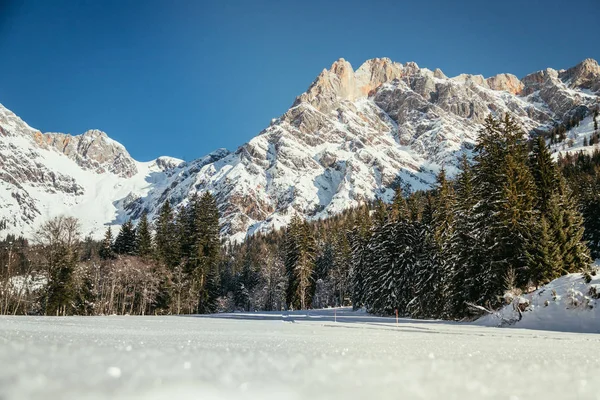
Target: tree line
column 512, row 219
column 171, row 271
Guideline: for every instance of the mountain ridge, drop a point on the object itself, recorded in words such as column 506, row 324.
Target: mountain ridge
column 352, row 136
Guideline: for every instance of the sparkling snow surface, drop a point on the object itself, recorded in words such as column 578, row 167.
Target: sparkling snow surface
column 265, row 356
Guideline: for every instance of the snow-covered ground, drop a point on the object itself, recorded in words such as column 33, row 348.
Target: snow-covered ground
column 302, row 356
column 568, row 304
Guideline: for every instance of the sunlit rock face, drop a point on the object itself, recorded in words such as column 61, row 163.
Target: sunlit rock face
column 354, row 135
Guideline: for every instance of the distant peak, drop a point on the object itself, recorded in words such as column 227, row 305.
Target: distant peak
column 507, row 82
column 585, row 75
column 589, row 62
column 94, row 132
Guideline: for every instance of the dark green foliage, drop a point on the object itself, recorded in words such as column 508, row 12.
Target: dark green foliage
column 143, row 242
column 166, row 239
column 299, row 264
column 543, row 254
column 359, row 240
column 125, row 243
column 61, row 288
column 106, row 251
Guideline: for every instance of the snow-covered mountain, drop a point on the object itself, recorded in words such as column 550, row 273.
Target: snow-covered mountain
column 353, row 135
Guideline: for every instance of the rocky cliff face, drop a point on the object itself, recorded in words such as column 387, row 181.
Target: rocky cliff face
column 353, row 135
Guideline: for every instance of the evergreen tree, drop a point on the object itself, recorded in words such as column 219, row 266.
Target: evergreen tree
column 504, row 188
column 430, row 280
column 590, row 200
column 462, row 253
column 543, row 254
column 393, row 260
column 359, row 239
column 339, row 273
column 61, row 286
column 125, row 243
column 545, row 174
column 144, row 246
column 442, row 219
column 299, row 264
column 575, row 254
column 106, row 249
column 167, row 246
column 207, row 248
column 399, row 208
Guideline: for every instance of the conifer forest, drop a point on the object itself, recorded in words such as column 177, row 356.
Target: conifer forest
column 513, row 218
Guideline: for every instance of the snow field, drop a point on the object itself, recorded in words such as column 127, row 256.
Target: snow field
column 297, row 356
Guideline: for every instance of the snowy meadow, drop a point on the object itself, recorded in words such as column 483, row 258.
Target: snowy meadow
column 304, row 354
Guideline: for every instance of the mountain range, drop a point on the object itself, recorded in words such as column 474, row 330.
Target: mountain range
column 354, row 135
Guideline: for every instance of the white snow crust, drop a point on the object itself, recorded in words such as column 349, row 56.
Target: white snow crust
column 304, row 355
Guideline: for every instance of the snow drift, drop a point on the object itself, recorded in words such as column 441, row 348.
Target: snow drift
column 567, row 304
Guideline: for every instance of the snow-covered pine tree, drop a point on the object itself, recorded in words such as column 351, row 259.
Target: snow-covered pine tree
column 378, row 271
column 299, row 263
column 339, row 274
column 442, row 218
column 463, row 254
column 359, row 239
column 429, row 277
column 504, row 188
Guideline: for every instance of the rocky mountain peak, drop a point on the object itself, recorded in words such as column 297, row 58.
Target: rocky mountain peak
column 375, row 72
column 341, row 82
column 92, row 150
column 506, row 82
column 585, row 75
column 439, row 74
column 352, row 136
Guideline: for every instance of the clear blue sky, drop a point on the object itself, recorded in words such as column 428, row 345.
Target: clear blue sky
column 182, row 78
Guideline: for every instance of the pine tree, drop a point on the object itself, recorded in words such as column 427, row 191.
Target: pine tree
column 61, row 287
column 299, row 263
column 167, row 246
column 504, row 188
column 399, row 208
column 106, row 249
column 359, row 240
column 144, row 246
column 544, row 173
column 543, row 254
column 517, row 214
column 590, row 211
column 125, row 243
column 339, row 274
column 575, row 254
column 432, row 280
column 442, row 219
column 380, row 213
column 464, row 251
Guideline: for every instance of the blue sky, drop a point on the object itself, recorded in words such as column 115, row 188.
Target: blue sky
column 182, row 78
